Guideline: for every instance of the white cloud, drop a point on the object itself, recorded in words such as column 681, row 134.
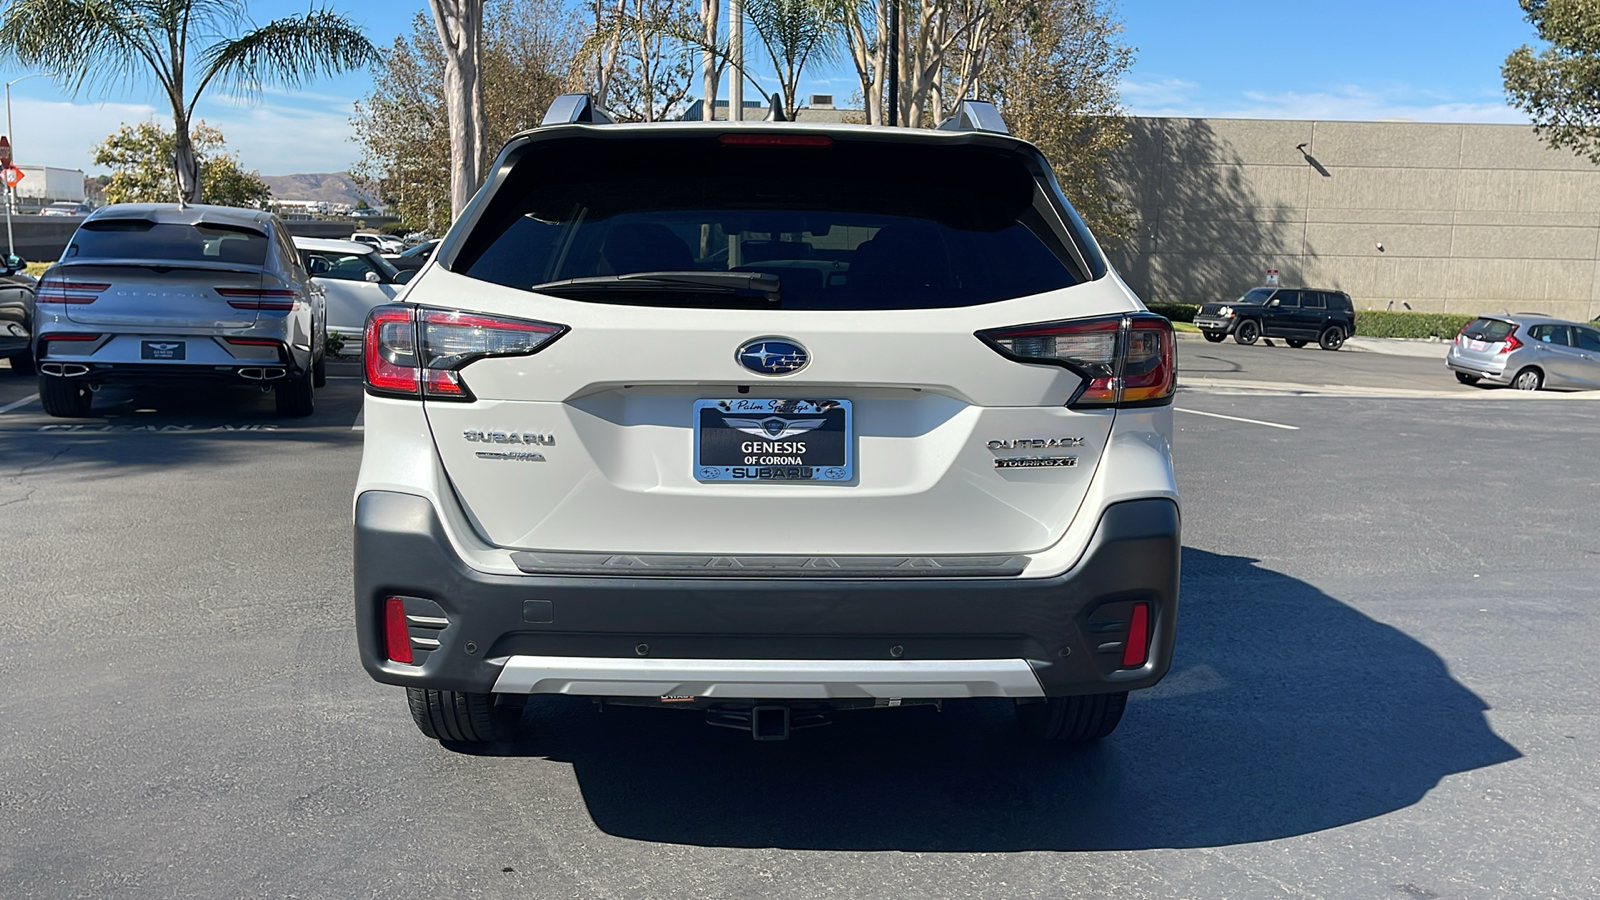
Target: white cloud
column 59, row 133
column 1173, row 97
column 274, row 138
column 1159, row 91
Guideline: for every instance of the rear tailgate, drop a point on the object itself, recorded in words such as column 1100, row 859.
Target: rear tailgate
column 164, row 275
column 939, row 442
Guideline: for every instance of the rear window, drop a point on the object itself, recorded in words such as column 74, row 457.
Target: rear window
column 1488, row 330
column 848, row 226
column 142, row 239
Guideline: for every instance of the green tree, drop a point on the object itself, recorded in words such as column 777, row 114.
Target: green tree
column 128, row 153
column 1053, row 69
column 184, row 46
column 1559, row 87
column 403, row 126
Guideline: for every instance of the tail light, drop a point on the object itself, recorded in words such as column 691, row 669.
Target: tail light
column 274, row 299
column 1125, row 361
column 1511, row 342
column 57, row 290
column 412, row 352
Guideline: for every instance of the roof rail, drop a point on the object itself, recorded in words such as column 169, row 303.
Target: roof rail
column 975, row 115
column 576, row 109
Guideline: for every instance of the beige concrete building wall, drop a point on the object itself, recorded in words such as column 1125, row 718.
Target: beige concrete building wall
column 1472, row 218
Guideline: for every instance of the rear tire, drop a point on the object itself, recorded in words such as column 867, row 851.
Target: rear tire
column 1214, row 337
column 1529, row 379
column 1073, row 720
column 297, row 396
column 1332, row 338
column 1296, row 343
column 453, row 715
column 319, row 371
column 1464, row 378
column 1247, row 332
column 64, row 398
column 22, row 363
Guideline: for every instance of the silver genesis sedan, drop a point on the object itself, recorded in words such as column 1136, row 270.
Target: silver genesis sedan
column 1528, row 352
column 155, row 292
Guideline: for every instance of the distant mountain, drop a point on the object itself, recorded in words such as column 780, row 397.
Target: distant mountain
column 328, row 187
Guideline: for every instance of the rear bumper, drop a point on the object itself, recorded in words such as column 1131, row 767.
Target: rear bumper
column 252, row 373
column 764, row 638
column 1485, row 371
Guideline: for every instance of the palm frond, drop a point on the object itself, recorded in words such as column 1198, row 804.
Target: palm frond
column 86, row 43
column 286, row 52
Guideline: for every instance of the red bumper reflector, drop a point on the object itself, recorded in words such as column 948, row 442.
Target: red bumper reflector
column 1134, row 649
column 396, row 637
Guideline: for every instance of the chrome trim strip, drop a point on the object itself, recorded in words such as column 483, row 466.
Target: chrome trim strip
column 767, row 679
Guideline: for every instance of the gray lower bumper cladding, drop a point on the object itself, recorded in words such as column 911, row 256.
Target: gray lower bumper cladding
column 633, row 632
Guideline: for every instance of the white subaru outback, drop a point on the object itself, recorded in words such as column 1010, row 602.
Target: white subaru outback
column 767, row 420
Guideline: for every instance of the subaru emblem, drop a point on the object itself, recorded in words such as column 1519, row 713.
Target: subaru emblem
column 772, row 356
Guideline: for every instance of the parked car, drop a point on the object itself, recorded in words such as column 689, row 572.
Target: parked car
column 415, row 257
column 66, row 208
column 155, row 292
column 16, row 315
column 389, row 246
column 1298, row 315
column 1528, row 352
column 819, row 439
column 354, row 278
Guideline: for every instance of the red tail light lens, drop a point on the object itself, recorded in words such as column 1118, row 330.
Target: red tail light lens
column 396, row 637
column 69, row 337
column 253, row 342
column 389, row 350
column 1136, row 648
column 274, row 299
column 57, row 290
column 422, row 351
column 1125, row 360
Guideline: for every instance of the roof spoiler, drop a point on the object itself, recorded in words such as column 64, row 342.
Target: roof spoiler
column 576, row 109
column 975, row 115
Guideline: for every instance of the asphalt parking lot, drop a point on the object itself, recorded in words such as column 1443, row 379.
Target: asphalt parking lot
column 1385, row 683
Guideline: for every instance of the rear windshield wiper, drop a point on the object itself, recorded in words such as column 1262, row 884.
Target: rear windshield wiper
column 763, row 283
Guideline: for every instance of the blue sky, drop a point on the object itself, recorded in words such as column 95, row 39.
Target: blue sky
column 1428, row 60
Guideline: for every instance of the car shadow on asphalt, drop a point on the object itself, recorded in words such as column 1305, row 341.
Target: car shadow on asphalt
column 1286, row 712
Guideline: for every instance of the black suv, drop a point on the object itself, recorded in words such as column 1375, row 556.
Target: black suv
column 1298, row 315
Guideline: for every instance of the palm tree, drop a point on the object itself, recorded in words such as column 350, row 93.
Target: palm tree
column 99, row 44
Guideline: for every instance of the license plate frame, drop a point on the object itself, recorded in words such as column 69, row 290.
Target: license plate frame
column 730, row 435
column 164, row 351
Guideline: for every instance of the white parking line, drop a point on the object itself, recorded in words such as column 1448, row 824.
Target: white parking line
column 19, row 404
column 357, row 425
column 1196, row 412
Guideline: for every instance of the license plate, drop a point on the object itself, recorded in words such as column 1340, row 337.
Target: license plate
column 162, row 350
column 772, row 440
column 1477, row 345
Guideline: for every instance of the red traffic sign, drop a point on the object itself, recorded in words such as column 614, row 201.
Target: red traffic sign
column 5, row 150
column 11, row 175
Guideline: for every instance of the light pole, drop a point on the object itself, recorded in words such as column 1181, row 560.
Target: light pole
column 11, row 192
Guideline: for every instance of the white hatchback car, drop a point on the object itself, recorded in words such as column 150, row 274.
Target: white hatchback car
column 354, row 278
column 793, row 420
